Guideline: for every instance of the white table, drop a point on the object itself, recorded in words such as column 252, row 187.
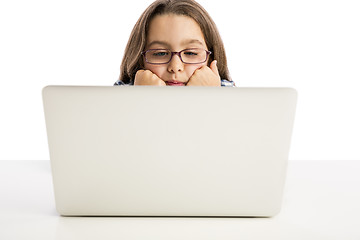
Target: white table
column 321, row 201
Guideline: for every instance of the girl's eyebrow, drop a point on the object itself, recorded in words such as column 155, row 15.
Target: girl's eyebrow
column 159, row 43
column 190, row 41
column 185, row 42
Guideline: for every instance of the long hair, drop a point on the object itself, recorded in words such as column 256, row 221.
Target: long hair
column 133, row 60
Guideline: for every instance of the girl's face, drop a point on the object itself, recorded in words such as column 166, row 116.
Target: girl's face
column 176, row 33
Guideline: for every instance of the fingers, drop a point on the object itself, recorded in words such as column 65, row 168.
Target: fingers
column 214, row 68
column 146, row 77
column 205, row 76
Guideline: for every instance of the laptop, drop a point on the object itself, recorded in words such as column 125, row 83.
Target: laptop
column 168, row 151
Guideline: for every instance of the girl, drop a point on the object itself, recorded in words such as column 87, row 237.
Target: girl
column 175, row 43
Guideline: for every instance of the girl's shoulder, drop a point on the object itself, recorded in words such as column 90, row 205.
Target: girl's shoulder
column 224, row 83
column 227, row 83
column 119, row 82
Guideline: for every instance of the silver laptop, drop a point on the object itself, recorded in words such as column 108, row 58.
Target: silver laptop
column 168, row 151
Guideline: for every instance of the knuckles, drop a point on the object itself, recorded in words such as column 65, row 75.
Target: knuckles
column 205, row 76
column 146, row 77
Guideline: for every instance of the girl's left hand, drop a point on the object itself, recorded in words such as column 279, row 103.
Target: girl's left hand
column 206, row 76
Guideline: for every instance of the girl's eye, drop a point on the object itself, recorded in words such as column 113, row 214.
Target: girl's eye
column 191, row 53
column 160, row 54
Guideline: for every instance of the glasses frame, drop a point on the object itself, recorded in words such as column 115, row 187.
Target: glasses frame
column 208, row 53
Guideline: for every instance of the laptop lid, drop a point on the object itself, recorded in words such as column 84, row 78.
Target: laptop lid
column 168, row 151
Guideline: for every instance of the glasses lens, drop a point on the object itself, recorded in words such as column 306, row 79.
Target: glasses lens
column 162, row 56
column 195, row 55
column 158, row 56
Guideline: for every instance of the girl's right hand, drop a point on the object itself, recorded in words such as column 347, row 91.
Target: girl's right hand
column 146, row 77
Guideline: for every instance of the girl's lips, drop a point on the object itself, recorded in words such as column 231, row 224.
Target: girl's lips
column 175, row 83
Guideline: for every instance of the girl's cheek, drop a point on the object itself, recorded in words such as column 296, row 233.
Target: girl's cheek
column 156, row 69
column 161, row 70
column 190, row 69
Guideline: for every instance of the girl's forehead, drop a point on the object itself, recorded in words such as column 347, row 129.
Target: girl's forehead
column 175, row 31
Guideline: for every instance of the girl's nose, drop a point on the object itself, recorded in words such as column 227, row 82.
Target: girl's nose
column 175, row 65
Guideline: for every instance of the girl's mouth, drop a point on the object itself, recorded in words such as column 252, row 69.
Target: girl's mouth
column 175, row 83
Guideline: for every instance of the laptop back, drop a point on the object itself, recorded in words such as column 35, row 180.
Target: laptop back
column 168, row 151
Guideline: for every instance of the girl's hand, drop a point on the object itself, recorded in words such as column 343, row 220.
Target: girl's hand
column 146, row 77
column 206, row 76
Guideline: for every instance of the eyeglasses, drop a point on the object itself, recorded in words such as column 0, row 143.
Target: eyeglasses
column 188, row 56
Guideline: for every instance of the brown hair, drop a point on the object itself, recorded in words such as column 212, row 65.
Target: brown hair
column 133, row 60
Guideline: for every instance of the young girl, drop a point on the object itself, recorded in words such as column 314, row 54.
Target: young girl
column 175, row 43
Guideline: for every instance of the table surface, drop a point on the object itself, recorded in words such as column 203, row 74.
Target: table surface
column 321, row 201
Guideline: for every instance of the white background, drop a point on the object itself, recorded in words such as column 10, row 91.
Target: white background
column 310, row 45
